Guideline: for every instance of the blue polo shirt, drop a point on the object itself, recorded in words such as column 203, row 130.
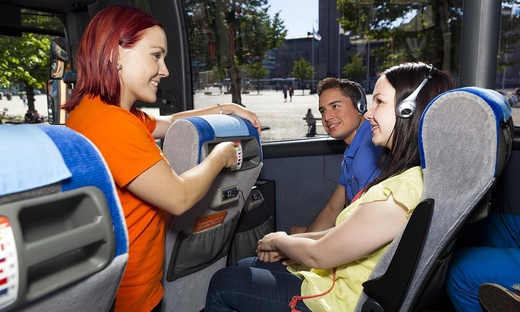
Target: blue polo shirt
column 359, row 166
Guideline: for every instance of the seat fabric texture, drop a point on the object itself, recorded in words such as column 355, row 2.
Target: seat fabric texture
column 461, row 155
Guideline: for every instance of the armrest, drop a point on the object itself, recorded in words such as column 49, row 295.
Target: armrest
column 388, row 290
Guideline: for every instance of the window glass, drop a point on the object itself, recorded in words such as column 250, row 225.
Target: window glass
column 347, row 39
column 508, row 76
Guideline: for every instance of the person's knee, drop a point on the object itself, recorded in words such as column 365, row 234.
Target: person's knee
column 246, row 262
column 467, row 270
column 220, row 281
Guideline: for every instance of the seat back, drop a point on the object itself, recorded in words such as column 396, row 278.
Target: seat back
column 197, row 241
column 64, row 238
column 465, row 140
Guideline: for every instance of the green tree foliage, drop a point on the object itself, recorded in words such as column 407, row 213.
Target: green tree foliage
column 302, row 70
column 231, row 33
column 354, row 70
column 256, row 70
column 415, row 30
column 424, row 30
column 26, row 59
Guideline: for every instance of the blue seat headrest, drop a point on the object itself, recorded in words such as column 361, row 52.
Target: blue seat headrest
column 213, row 127
column 29, row 159
column 88, row 167
column 461, row 102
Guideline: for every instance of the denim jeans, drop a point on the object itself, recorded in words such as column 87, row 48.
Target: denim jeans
column 252, row 285
column 497, row 261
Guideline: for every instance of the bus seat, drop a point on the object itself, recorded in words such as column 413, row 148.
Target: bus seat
column 63, row 240
column 197, row 241
column 465, row 138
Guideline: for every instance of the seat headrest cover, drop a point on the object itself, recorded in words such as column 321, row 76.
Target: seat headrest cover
column 494, row 100
column 29, row 159
column 228, row 126
column 211, row 127
column 89, row 168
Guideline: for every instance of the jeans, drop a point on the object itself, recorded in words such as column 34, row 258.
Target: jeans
column 496, row 261
column 252, row 285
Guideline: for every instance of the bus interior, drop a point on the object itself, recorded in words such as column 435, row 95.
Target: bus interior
column 282, row 182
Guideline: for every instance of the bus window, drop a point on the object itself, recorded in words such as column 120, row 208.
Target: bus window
column 332, row 45
column 508, row 76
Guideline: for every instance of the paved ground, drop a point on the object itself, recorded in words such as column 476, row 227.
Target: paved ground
column 16, row 109
column 284, row 119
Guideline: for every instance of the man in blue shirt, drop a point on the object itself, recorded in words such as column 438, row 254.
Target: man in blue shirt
column 342, row 105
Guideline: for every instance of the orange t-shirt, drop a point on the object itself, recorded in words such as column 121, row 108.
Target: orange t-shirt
column 125, row 141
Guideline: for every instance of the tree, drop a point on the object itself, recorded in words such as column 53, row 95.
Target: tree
column 355, row 70
column 420, row 30
column 302, row 70
column 256, row 71
column 25, row 59
column 240, row 33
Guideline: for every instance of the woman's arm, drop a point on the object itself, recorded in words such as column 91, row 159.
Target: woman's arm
column 162, row 187
column 370, row 227
column 164, row 122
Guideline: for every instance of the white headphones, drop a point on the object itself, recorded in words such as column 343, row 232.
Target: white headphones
column 406, row 107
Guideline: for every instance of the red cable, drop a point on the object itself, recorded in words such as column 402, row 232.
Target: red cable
column 297, row 298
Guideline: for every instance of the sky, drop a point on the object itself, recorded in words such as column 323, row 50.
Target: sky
column 299, row 16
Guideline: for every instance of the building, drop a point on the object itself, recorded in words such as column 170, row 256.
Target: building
column 328, row 55
column 333, row 44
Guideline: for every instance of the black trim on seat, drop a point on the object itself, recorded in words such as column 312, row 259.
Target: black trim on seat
column 403, row 264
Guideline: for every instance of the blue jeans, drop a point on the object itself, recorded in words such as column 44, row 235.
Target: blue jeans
column 496, row 261
column 252, row 285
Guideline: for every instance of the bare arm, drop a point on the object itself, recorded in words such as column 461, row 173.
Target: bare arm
column 164, row 122
column 162, row 187
column 370, row 227
column 326, row 218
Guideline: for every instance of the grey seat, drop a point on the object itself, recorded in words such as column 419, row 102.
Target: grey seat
column 465, row 139
column 64, row 239
column 197, row 242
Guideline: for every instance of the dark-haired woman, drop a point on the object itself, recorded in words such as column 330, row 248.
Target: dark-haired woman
column 326, row 270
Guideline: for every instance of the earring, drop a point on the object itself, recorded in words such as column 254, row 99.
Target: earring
column 119, row 66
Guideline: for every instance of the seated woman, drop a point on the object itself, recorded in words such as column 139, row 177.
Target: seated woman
column 327, row 269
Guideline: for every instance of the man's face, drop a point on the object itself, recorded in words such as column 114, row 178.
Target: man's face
column 339, row 116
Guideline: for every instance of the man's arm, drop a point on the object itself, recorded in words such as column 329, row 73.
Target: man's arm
column 326, row 218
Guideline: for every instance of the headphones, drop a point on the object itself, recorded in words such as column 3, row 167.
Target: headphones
column 406, row 107
column 361, row 104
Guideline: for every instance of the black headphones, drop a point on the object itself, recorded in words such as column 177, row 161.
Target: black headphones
column 361, row 104
column 406, row 107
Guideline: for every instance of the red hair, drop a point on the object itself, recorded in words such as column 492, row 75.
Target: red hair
column 97, row 54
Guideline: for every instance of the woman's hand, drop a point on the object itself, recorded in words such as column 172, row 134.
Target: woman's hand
column 227, row 151
column 268, row 242
column 270, row 256
column 240, row 111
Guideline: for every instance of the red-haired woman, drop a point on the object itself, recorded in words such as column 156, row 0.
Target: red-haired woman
column 120, row 59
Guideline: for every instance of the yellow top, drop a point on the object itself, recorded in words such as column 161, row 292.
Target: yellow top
column 406, row 188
